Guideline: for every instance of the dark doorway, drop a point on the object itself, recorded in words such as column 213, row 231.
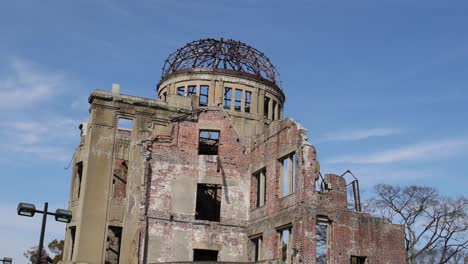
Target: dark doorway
column 205, row 255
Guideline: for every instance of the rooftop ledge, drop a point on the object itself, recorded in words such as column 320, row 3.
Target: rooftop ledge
column 129, row 99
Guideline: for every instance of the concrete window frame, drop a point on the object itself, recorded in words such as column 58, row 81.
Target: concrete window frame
column 257, row 247
column 287, row 177
column 285, row 243
column 260, row 192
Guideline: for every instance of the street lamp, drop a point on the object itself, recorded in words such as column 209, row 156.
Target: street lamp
column 29, row 210
column 7, row 260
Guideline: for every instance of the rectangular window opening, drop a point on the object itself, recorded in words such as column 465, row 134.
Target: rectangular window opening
column 227, row 97
column 203, row 99
column 288, row 174
column 260, row 179
column 125, row 124
column 358, row 260
column 208, row 142
column 266, row 108
column 285, row 241
column 321, row 243
column 248, row 99
column 192, row 90
column 257, row 244
column 72, row 230
column 208, row 205
column 205, row 255
column 163, row 97
column 114, row 239
column 238, row 100
column 275, row 111
column 119, row 181
column 77, row 180
column 181, row 91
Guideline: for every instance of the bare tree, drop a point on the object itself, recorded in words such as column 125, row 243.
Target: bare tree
column 432, row 223
column 55, row 246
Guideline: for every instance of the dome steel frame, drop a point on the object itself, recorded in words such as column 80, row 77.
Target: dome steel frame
column 226, row 55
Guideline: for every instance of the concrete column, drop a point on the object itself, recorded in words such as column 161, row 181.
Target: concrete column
column 260, row 104
column 91, row 233
column 212, row 100
column 135, row 179
column 243, row 101
column 270, row 109
column 276, row 114
column 254, row 103
column 280, row 111
column 171, row 89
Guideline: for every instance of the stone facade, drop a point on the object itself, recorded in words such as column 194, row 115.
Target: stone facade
column 207, row 174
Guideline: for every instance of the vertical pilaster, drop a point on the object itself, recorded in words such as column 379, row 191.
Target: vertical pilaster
column 270, row 109
column 243, row 101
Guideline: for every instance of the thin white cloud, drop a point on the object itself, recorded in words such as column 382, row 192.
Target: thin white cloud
column 24, row 84
column 361, row 134
column 26, row 87
column 46, row 139
column 416, row 152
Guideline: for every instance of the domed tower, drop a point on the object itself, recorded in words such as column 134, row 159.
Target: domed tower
column 204, row 174
column 228, row 74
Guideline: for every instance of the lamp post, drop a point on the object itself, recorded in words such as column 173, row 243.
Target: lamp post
column 7, row 260
column 29, row 210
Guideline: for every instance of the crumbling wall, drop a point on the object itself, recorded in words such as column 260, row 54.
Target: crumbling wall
column 347, row 233
column 176, row 169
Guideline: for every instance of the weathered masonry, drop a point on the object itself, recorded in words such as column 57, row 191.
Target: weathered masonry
column 211, row 171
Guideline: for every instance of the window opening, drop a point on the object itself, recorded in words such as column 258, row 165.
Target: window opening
column 266, row 108
column 192, row 90
column 208, row 142
column 260, row 178
column 203, row 99
column 114, row 238
column 181, row 91
column 248, row 99
column 358, row 260
column 321, row 243
column 275, row 111
column 238, row 100
column 227, row 97
column 163, row 96
column 119, row 181
column 72, row 230
column 77, row 180
column 288, row 177
column 286, row 238
column 257, row 254
column 208, row 205
column 125, row 124
column 205, row 255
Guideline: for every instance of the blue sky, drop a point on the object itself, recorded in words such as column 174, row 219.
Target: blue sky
column 380, row 85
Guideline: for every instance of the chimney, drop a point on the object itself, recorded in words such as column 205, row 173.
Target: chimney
column 115, row 88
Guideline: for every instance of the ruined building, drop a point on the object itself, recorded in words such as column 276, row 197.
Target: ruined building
column 211, row 171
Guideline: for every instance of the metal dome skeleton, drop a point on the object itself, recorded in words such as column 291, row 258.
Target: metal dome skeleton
column 229, row 55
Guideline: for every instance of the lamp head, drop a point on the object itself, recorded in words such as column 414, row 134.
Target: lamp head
column 26, row 209
column 62, row 215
